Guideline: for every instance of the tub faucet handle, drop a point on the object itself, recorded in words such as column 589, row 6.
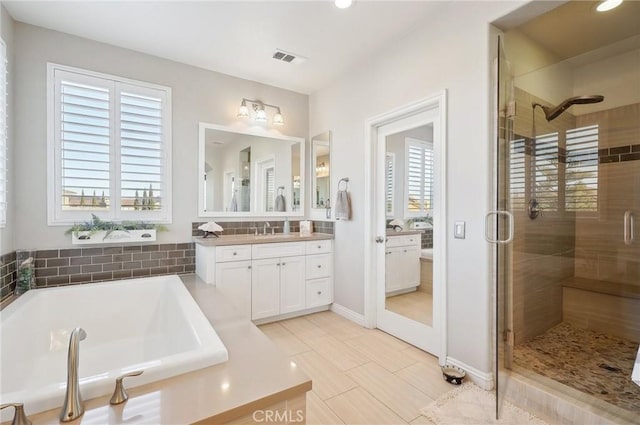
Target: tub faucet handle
column 19, row 418
column 120, row 394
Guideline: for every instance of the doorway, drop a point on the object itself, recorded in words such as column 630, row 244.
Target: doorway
column 406, row 233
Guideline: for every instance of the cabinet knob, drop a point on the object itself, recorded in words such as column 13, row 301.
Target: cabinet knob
column 278, row 264
column 319, row 266
column 319, row 292
column 235, row 253
column 319, row 246
column 284, row 264
column 249, row 267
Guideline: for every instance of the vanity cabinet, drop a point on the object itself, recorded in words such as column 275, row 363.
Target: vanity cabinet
column 271, row 280
column 402, row 272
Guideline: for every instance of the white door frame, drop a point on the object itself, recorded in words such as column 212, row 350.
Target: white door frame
column 372, row 275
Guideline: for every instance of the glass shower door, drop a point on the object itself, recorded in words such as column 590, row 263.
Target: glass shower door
column 500, row 225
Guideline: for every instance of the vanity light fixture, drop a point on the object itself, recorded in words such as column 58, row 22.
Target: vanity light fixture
column 260, row 113
column 343, row 4
column 607, row 5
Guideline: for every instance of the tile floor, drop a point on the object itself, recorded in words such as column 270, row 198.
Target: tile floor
column 589, row 361
column 360, row 376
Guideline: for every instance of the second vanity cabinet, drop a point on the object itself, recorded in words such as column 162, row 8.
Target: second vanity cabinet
column 271, row 279
column 402, row 263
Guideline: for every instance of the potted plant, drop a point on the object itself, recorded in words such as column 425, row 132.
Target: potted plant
column 98, row 231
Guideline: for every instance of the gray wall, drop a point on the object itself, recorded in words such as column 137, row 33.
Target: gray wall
column 451, row 50
column 197, row 95
column 7, row 233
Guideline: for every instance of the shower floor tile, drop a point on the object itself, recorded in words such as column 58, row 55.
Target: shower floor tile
column 588, row 361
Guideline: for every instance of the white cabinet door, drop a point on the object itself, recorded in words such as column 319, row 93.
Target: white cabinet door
column 394, row 275
column 265, row 288
column 234, row 280
column 292, row 284
column 411, row 266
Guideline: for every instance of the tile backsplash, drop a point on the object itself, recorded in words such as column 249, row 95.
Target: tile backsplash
column 248, row 227
column 57, row 267
column 8, row 274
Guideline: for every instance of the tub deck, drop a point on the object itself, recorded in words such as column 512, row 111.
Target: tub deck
column 213, row 395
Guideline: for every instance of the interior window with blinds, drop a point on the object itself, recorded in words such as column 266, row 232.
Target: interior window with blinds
column 419, row 177
column 582, row 169
column 3, row 135
column 111, row 143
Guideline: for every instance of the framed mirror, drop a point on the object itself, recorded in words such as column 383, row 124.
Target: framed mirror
column 249, row 174
column 321, row 176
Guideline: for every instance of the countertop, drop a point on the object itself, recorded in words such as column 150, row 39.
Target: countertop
column 256, row 375
column 225, row 240
column 391, row 232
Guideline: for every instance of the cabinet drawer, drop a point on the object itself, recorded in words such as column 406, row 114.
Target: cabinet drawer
column 274, row 250
column 318, row 292
column 318, row 247
column 405, row 240
column 233, row 253
column 318, row 266
column 410, row 240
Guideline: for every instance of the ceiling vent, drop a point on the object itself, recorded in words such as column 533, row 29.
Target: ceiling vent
column 281, row 55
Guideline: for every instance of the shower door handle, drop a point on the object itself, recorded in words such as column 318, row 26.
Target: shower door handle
column 629, row 227
column 509, row 217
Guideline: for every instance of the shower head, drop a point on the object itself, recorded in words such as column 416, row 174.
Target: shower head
column 553, row 113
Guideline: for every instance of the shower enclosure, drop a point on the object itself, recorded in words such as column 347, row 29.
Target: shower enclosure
column 568, row 213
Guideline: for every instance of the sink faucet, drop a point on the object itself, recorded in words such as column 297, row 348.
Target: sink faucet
column 264, row 228
column 73, row 406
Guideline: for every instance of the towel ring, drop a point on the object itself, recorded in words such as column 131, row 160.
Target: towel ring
column 346, row 183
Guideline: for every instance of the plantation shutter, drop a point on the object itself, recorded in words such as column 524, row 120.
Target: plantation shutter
column 546, row 171
column 419, row 178
column 3, row 135
column 85, row 145
column 389, row 195
column 141, row 151
column 582, row 169
column 517, row 174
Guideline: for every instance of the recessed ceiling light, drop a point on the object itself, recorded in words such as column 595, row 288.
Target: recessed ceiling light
column 343, row 4
column 608, row 5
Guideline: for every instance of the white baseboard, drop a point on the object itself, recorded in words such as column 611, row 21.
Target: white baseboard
column 348, row 314
column 482, row 379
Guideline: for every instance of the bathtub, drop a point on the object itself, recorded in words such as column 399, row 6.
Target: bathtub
column 151, row 324
column 426, row 254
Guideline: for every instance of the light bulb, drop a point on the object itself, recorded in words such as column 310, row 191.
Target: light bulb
column 343, row 4
column 608, row 5
column 243, row 111
column 261, row 115
column 277, row 119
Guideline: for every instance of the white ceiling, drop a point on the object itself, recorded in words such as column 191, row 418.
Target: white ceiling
column 239, row 37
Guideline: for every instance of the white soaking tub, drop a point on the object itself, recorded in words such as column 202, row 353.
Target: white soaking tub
column 150, row 324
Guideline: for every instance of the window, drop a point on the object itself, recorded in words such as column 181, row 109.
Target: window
column 419, row 177
column 3, row 135
column 545, row 177
column 109, row 148
column 390, row 167
column 582, row 169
